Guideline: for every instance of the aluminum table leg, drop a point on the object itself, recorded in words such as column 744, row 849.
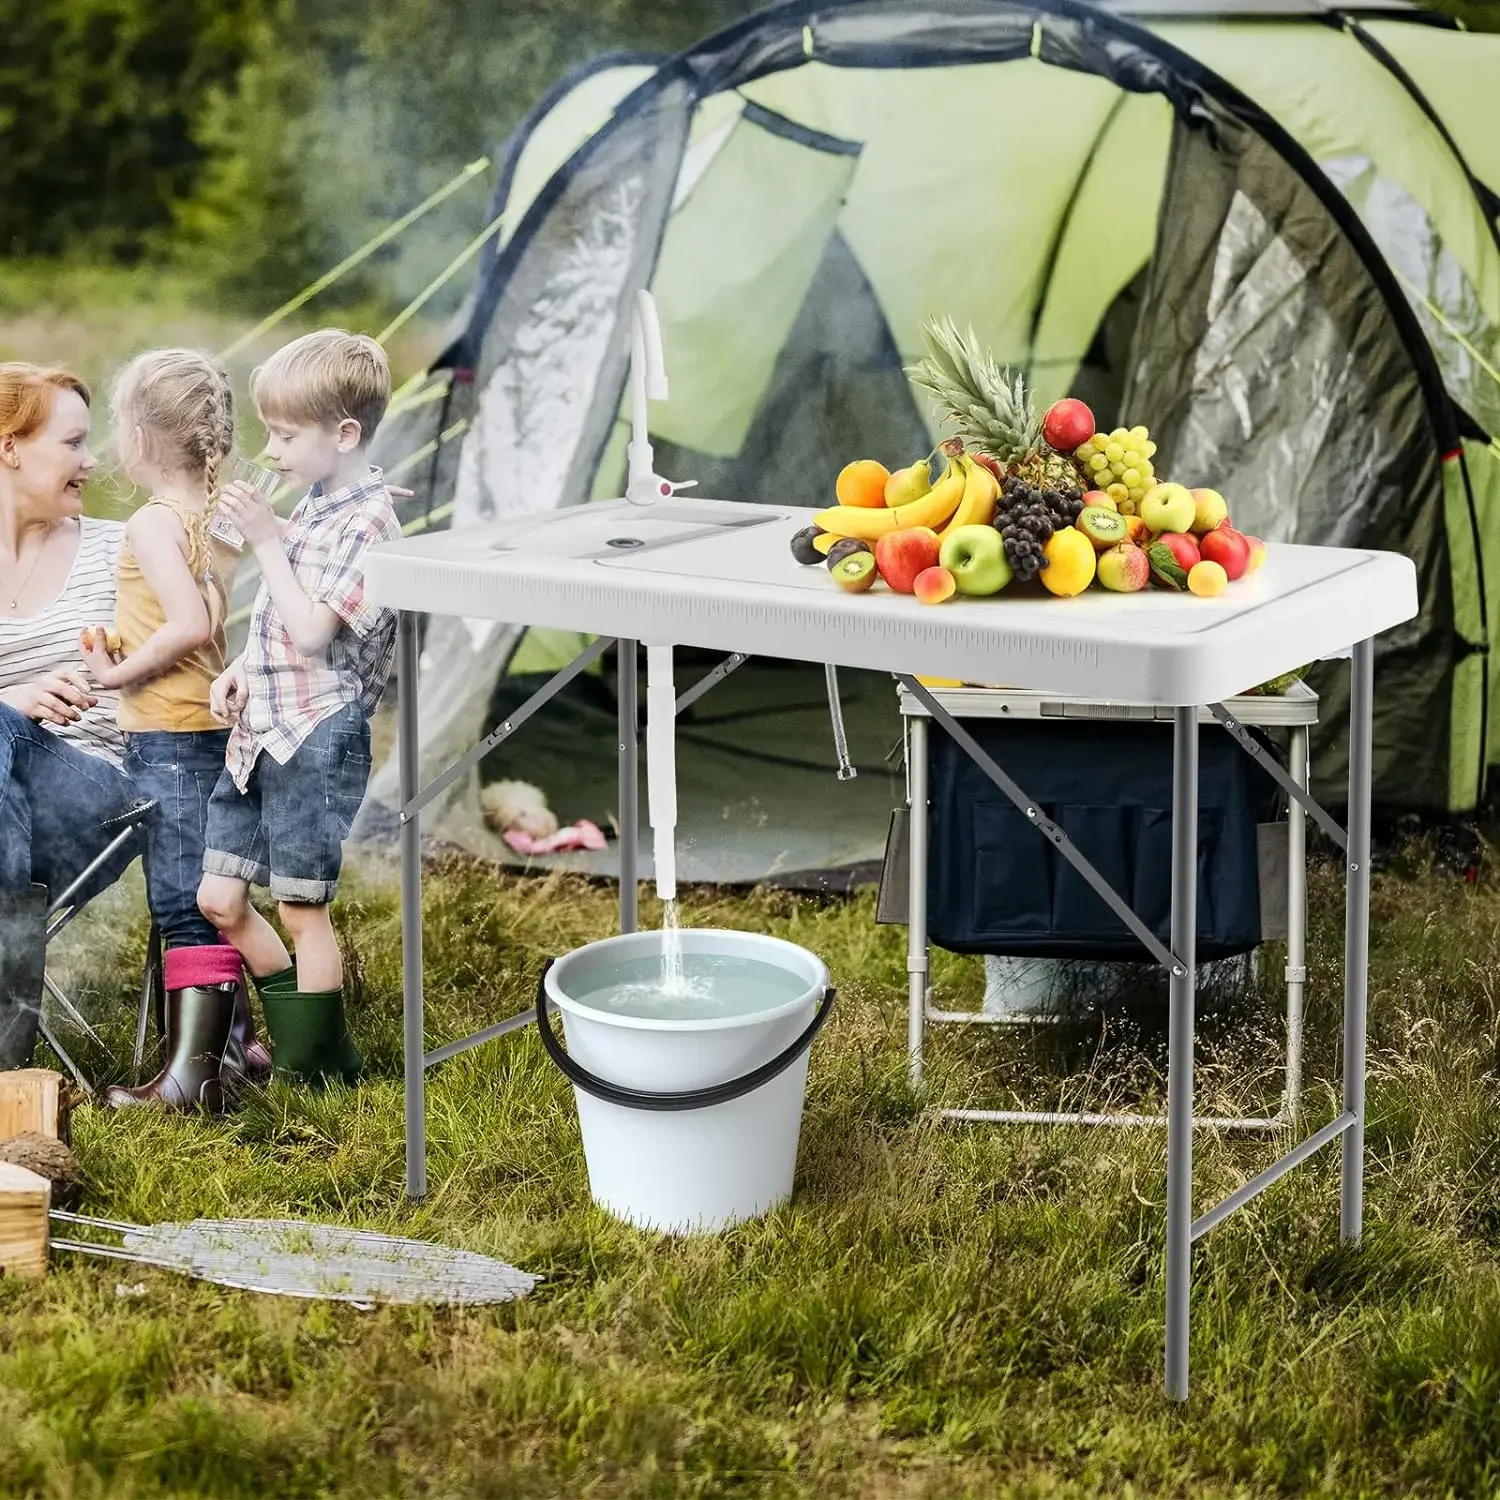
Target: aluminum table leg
column 626, row 663
column 1184, row 942
column 1296, row 929
column 1356, row 939
column 411, row 908
column 917, row 948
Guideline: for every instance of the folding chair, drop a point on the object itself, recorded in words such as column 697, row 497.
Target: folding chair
column 126, row 828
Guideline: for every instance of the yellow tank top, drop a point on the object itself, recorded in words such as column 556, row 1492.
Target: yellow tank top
column 177, row 700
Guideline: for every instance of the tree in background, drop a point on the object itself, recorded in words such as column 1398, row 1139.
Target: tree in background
column 350, row 112
column 257, row 142
column 98, row 100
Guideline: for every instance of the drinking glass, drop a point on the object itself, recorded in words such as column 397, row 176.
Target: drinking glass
column 262, row 481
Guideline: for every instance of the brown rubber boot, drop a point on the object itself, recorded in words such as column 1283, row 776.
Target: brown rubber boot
column 198, row 1026
column 245, row 1057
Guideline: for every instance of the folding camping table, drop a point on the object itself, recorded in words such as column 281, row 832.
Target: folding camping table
column 719, row 575
column 1296, row 710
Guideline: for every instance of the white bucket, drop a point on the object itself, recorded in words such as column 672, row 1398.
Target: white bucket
column 660, row 1160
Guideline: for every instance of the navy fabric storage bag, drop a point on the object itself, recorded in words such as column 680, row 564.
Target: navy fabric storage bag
column 996, row 885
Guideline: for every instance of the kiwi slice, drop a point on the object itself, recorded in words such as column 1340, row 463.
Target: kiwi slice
column 803, row 549
column 1103, row 527
column 844, row 547
column 855, row 571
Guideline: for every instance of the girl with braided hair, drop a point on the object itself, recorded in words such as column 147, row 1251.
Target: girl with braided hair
column 173, row 415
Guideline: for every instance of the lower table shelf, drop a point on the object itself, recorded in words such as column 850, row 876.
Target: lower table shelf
column 1295, row 711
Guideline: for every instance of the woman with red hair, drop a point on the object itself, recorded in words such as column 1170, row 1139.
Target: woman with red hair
column 61, row 753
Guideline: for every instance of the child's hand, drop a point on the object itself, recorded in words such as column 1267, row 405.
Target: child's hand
column 100, row 647
column 253, row 518
column 397, row 493
column 226, row 698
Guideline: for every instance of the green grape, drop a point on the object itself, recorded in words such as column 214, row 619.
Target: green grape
column 1149, row 449
column 1147, row 472
column 1099, row 463
column 1120, row 435
column 1114, row 453
column 1118, row 492
column 1132, row 459
column 1131, row 479
column 1138, row 434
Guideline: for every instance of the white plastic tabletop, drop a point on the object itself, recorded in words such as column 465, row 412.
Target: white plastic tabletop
column 720, row 575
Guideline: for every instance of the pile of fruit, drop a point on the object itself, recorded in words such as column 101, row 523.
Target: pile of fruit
column 1021, row 498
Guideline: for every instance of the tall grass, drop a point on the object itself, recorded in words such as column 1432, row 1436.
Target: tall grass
column 941, row 1311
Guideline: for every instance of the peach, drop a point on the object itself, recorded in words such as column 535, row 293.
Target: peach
column 933, row 585
column 1257, row 553
column 1227, row 548
column 1209, row 510
column 1207, row 579
column 1137, row 531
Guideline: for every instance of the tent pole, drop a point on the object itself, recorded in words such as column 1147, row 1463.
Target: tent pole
column 626, row 662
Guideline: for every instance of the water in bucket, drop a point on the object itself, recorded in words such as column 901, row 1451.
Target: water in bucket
column 707, row 986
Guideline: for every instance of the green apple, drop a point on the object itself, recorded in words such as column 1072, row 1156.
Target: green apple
column 975, row 556
column 1169, row 507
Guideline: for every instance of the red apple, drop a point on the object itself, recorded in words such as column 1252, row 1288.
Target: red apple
column 1068, row 425
column 1184, row 548
column 901, row 555
column 1257, row 553
column 1229, row 549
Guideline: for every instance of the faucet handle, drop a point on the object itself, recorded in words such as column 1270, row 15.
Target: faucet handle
column 647, row 489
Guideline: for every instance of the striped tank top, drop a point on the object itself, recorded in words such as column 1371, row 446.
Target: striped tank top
column 32, row 647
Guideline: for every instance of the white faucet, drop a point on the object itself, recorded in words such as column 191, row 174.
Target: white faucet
column 648, row 381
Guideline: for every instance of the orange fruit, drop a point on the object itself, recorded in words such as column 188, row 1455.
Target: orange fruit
column 862, row 483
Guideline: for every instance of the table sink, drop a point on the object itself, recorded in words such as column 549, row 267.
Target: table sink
column 615, row 529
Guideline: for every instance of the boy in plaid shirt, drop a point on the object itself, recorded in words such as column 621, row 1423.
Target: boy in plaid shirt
column 301, row 696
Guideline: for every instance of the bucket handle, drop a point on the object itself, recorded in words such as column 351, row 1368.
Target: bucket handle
column 719, row 1093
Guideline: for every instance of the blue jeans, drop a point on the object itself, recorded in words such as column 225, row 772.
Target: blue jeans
column 180, row 772
column 286, row 830
column 54, row 798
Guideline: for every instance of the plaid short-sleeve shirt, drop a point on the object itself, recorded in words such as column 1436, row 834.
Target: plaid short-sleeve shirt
column 288, row 694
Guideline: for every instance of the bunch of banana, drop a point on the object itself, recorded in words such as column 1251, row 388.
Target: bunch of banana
column 965, row 495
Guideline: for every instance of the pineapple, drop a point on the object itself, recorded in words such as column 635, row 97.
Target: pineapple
column 992, row 410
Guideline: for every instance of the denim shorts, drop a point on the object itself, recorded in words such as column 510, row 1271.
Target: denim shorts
column 286, row 830
column 179, row 772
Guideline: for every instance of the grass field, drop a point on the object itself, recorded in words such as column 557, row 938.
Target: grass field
column 942, row 1310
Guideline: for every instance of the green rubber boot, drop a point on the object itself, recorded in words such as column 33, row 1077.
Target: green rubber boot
column 309, row 1040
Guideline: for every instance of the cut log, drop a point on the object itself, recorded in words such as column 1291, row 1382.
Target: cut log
column 48, row 1158
column 34, row 1101
column 25, row 1200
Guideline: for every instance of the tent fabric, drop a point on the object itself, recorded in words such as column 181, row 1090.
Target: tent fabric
column 1263, row 229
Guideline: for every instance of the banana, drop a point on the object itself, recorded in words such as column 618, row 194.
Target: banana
column 868, row 523
column 977, row 508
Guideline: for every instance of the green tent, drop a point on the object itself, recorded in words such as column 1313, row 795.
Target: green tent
column 1266, row 229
